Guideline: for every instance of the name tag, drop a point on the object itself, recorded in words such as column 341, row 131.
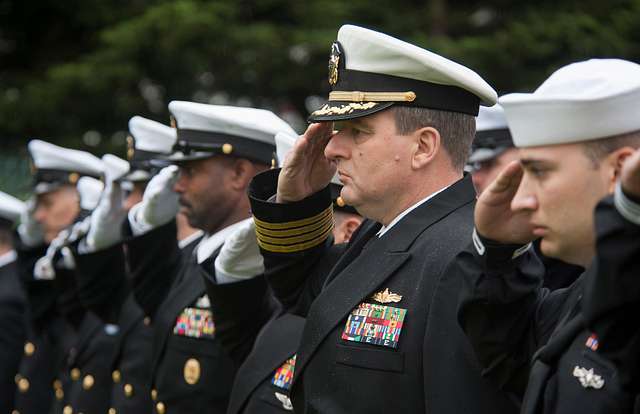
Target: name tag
column 195, row 323
column 375, row 324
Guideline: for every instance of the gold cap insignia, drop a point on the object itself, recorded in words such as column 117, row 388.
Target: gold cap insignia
column 334, row 60
column 73, row 177
column 387, row 297
column 173, row 122
column 227, row 148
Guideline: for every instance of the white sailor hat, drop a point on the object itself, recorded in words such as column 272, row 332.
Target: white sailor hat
column 370, row 71
column 54, row 165
column 593, row 99
column 148, row 144
column 205, row 130
column 284, row 144
column 492, row 134
column 89, row 190
column 10, row 207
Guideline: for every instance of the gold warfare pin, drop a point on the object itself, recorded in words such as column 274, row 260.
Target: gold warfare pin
column 387, row 296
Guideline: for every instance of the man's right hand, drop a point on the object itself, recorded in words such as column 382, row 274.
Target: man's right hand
column 306, row 170
column 494, row 218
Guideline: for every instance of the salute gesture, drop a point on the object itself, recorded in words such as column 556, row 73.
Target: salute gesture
column 306, row 170
column 494, row 217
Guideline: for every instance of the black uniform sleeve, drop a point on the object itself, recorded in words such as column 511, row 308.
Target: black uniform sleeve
column 295, row 240
column 102, row 282
column 40, row 294
column 12, row 333
column 612, row 297
column 154, row 260
column 240, row 311
column 504, row 311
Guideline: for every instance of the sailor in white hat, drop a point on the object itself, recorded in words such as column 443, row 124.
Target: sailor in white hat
column 57, row 204
column 492, row 147
column 12, row 302
column 218, row 150
column 574, row 133
column 404, row 118
column 148, row 144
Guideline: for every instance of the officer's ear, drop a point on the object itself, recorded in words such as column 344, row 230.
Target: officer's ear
column 615, row 160
column 242, row 171
column 427, row 146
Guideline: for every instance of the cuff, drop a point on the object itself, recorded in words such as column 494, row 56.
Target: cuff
column 291, row 227
column 137, row 224
column 628, row 208
column 495, row 254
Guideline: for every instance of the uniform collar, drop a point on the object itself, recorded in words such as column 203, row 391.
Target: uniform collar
column 210, row 243
column 8, row 257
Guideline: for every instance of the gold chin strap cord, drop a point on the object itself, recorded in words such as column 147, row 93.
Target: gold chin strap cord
column 356, row 96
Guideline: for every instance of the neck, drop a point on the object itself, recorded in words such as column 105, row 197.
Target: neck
column 235, row 216
column 408, row 195
column 5, row 248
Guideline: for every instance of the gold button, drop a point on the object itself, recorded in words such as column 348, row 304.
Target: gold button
column 115, row 376
column 146, row 320
column 159, row 408
column 59, row 394
column 112, row 411
column 67, row 410
column 227, row 148
column 57, row 384
column 128, row 390
column 75, row 374
column 23, row 385
column 154, row 394
column 88, row 382
column 340, row 202
column 29, row 348
column 15, row 412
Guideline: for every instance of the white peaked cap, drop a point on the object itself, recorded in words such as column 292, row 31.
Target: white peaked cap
column 284, row 143
column 583, row 101
column 89, row 189
column 47, row 156
column 258, row 124
column 10, row 207
column 490, row 118
column 152, row 136
column 371, row 51
column 114, row 167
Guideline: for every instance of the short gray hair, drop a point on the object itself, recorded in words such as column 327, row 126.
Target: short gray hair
column 456, row 129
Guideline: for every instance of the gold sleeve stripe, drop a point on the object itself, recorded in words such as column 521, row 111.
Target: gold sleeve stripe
column 292, row 224
column 295, row 231
column 295, row 247
column 302, row 236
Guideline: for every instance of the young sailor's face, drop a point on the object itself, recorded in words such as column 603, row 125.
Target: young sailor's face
column 56, row 210
column 559, row 190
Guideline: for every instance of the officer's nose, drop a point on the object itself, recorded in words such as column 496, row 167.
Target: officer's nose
column 181, row 185
column 337, row 147
column 525, row 198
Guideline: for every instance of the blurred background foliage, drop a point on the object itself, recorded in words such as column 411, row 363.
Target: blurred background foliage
column 74, row 72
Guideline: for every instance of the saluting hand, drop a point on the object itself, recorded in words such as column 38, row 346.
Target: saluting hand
column 494, row 218
column 630, row 175
column 306, row 170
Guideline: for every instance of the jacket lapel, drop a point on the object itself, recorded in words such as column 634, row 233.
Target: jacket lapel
column 366, row 266
column 268, row 354
column 190, row 288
